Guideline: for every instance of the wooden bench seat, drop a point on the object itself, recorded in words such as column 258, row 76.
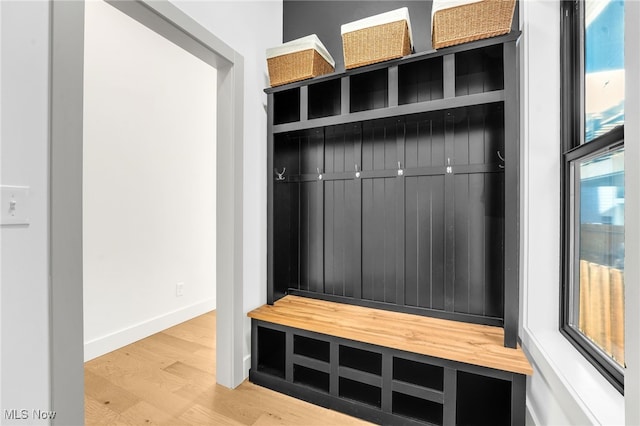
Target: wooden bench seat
column 475, row 344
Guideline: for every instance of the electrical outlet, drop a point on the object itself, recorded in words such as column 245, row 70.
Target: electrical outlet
column 179, row 289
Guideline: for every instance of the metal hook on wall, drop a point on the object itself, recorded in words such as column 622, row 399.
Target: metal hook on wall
column 501, row 159
column 319, row 173
column 357, row 171
column 400, row 171
column 280, row 176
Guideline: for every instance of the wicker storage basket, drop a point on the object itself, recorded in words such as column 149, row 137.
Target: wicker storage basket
column 474, row 20
column 298, row 60
column 377, row 38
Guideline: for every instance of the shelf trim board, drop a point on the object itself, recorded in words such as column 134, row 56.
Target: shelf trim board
column 418, row 391
column 511, row 37
column 415, row 310
column 465, row 169
column 313, row 363
column 394, row 111
column 360, row 376
column 462, row 342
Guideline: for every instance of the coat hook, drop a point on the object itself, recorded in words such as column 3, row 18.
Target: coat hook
column 280, row 175
column 319, row 174
column 501, row 159
column 449, row 169
column 357, row 171
column 400, row 171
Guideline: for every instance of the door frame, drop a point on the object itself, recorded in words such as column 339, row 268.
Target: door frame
column 65, row 192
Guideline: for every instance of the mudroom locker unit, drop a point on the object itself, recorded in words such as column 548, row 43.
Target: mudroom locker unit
column 393, row 240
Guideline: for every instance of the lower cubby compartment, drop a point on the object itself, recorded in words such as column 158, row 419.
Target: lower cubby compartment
column 418, row 373
column 310, row 377
column 482, row 400
column 417, row 408
column 271, row 351
column 360, row 359
column 312, row 348
column 360, row 392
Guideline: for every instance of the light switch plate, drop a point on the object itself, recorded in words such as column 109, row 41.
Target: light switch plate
column 14, row 205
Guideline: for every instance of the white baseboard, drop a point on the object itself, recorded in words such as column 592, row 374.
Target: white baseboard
column 105, row 344
column 247, row 365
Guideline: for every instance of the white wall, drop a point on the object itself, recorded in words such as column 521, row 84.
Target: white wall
column 565, row 388
column 248, row 27
column 149, row 182
column 24, row 291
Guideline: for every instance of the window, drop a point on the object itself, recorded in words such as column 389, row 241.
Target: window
column 593, row 191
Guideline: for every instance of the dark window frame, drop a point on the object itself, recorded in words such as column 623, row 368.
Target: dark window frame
column 573, row 149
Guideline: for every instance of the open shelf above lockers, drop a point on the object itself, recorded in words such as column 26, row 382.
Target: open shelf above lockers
column 395, row 185
column 417, row 83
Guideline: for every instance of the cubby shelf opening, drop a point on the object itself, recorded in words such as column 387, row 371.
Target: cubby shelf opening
column 271, row 352
column 311, row 348
column 479, row 70
column 418, row 373
column 369, row 90
column 420, row 81
column 286, row 106
column 360, row 392
column 417, row 408
column 360, row 359
column 313, row 378
column 324, row 99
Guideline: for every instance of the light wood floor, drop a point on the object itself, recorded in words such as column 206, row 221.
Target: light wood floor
column 169, row 379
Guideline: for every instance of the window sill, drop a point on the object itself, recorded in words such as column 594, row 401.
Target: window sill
column 585, row 395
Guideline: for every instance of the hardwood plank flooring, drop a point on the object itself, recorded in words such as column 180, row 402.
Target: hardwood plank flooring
column 169, row 379
column 476, row 344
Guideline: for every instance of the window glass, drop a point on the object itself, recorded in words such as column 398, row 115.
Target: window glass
column 604, row 66
column 598, row 233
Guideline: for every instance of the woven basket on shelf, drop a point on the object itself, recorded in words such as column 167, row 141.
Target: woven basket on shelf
column 469, row 22
column 297, row 66
column 376, row 44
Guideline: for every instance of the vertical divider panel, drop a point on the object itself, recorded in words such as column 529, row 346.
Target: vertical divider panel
column 400, row 212
column 288, row 351
column 320, row 202
column 449, row 219
column 345, row 98
column 450, row 396
column 393, row 86
column 449, row 76
column 518, row 398
column 334, row 379
column 304, row 103
column 270, row 245
column 356, row 211
column 511, row 191
column 387, row 378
